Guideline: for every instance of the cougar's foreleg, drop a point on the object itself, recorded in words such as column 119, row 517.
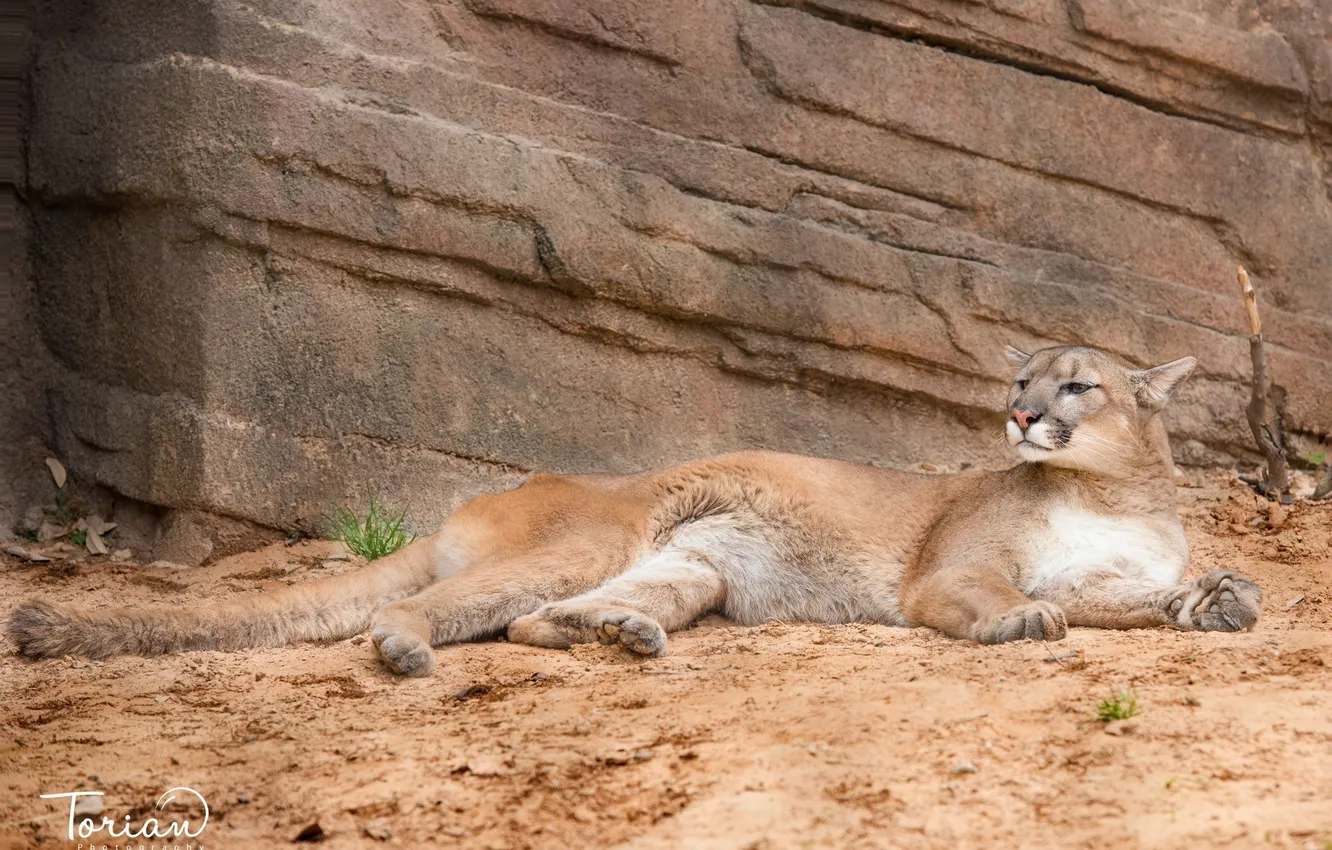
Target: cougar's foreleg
column 1218, row 601
column 980, row 603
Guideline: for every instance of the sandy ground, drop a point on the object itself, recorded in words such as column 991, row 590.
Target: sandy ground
column 778, row 736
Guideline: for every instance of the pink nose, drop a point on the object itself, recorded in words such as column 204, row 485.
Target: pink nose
column 1024, row 418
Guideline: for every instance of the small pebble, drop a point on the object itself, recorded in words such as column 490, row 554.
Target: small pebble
column 1277, row 514
column 964, row 767
column 313, row 832
column 471, row 691
column 378, row 829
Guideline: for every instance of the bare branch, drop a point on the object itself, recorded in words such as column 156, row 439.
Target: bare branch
column 1277, row 481
column 1250, row 302
column 1324, row 488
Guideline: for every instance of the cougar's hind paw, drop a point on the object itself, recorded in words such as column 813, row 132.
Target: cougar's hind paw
column 404, row 652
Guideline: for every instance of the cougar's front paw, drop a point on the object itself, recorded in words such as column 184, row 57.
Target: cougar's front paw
column 404, row 652
column 1033, row 621
column 1221, row 601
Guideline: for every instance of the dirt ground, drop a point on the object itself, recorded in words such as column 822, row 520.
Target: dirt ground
column 777, row 736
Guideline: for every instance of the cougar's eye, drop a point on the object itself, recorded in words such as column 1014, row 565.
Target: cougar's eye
column 1077, row 387
column 1021, row 384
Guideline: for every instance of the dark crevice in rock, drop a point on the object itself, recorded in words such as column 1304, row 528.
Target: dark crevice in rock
column 555, row 267
column 383, row 442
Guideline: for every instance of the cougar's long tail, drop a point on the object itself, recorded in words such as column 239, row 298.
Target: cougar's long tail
column 328, row 609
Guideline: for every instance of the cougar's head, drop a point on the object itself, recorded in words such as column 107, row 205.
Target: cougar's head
column 1083, row 409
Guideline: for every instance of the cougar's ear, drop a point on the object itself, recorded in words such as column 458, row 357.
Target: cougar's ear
column 1017, row 358
column 1154, row 386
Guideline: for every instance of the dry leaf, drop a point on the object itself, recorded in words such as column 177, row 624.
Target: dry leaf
column 95, row 544
column 1296, row 601
column 30, row 557
column 57, row 471
column 99, row 525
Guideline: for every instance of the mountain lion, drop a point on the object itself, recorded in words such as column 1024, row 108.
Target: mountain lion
column 1083, row 533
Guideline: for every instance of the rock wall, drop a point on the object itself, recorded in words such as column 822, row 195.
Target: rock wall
column 296, row 252
column 23, row 430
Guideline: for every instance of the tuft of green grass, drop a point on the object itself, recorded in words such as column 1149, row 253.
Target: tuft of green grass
column 78, row 537
column 60, row 514
column 381, row 532
column 1120, row 706
column 1316, row 458
column 28, row 534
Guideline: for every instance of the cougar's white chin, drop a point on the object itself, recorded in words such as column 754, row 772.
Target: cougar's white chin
column 1032, row 452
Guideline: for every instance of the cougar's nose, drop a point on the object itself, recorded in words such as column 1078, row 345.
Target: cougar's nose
column 1024, row 418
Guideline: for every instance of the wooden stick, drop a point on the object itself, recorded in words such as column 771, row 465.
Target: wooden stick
column 1250, row 303
column 1324, row 488
column 1258, row 412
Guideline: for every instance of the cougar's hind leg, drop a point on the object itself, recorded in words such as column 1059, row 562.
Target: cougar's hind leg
column 475, row 603
column 660, row 593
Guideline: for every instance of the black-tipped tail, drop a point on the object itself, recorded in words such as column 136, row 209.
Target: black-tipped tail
column 42, row 630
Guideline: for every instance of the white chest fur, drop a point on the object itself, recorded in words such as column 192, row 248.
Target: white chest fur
column 1079, row 541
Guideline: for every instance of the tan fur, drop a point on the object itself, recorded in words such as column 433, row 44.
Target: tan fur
column 1084, row 533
